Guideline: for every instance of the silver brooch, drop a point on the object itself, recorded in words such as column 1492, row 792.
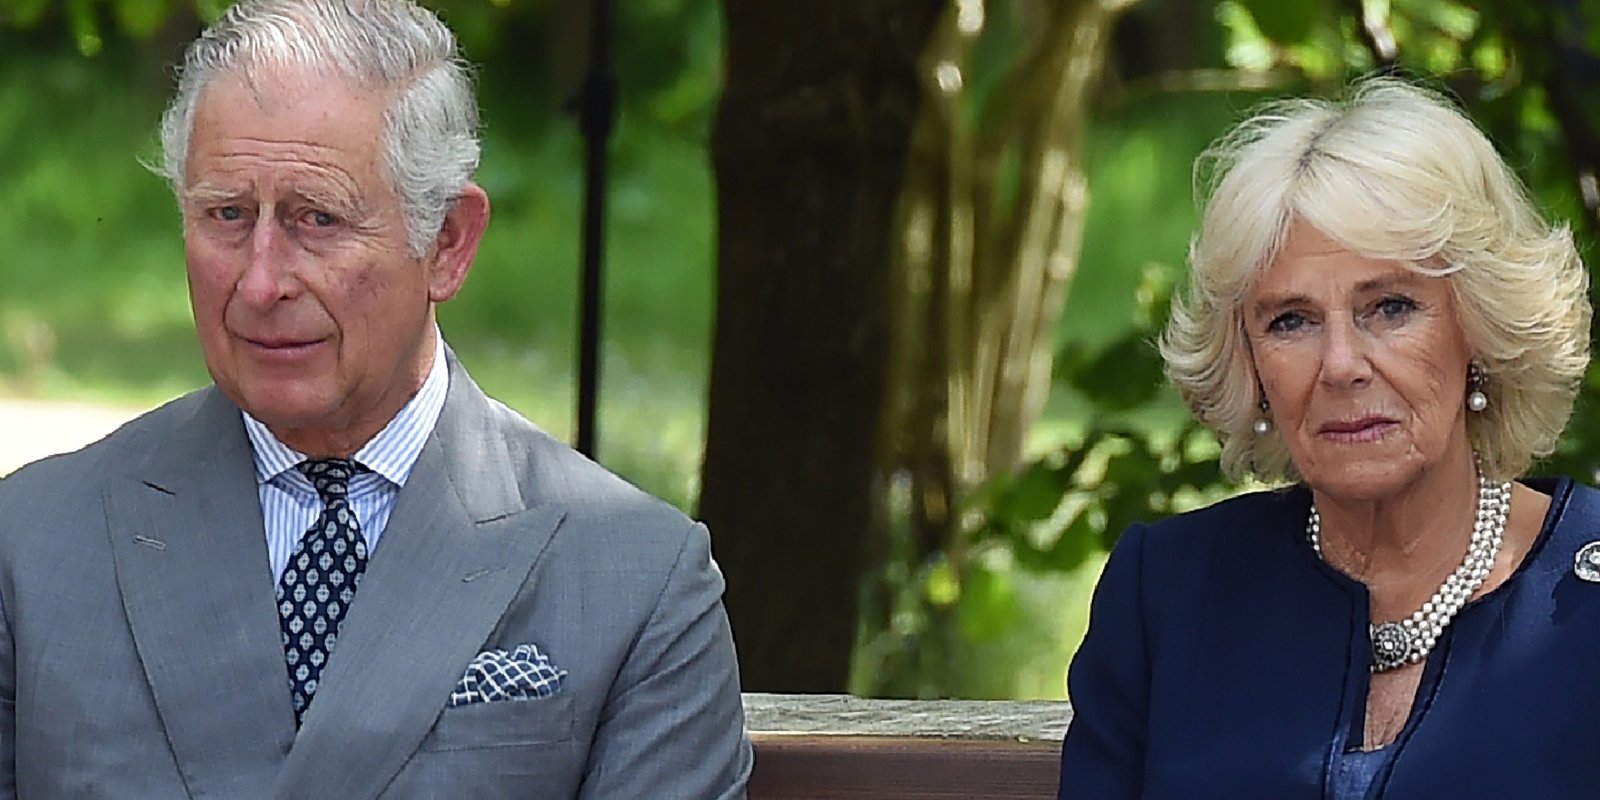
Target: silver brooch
column 1392, row 646
column 1409, row 640
column 1587, row 563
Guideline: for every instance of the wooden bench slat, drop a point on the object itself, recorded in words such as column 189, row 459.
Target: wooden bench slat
column 808, row 767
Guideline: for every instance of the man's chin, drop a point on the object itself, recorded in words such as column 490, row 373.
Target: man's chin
column 284, row 412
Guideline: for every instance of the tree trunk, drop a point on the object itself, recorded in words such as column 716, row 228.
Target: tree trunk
column 983, row 266
column 983, row 270
column 809, row 150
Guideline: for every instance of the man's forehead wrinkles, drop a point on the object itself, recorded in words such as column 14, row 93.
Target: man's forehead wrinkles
column 308, row 153
column 290, row 170
column 282, row 143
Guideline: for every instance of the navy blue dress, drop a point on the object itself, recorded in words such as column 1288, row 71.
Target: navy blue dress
column 1225, row 660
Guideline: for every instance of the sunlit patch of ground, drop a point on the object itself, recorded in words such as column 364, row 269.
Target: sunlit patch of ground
column 33, row 429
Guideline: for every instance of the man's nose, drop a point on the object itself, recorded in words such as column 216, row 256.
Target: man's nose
column 267, row 276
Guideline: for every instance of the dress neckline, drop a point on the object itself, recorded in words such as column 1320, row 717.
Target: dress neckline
column 1559, row 490
column 1357, row 770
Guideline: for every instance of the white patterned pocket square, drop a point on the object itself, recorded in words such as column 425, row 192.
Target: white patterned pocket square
column 523, row 673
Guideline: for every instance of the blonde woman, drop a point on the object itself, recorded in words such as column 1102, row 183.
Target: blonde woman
column 1379, row 320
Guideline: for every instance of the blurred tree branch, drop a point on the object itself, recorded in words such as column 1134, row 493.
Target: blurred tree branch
column 1572, row 106
column 989, row 232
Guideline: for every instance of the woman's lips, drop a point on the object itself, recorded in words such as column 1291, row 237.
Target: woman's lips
column 1366, row 429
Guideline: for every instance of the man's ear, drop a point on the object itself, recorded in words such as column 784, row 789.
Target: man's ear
column 457, row 244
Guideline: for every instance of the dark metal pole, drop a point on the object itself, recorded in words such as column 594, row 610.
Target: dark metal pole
column 597, row 109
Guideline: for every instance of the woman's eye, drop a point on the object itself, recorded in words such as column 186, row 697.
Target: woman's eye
column 1391, row 307
column 1286, row 323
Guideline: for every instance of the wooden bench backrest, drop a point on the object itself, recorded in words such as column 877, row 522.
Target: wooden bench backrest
column 829, row 747
column 885, row 768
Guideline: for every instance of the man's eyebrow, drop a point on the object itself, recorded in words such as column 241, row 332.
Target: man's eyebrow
column 336, row 201
column 204, row 192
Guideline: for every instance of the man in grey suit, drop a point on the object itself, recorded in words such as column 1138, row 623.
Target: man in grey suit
column 342, row 571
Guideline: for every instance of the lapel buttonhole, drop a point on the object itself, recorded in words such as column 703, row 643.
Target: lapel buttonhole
column 476, row 574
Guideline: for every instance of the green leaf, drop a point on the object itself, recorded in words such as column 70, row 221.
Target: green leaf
column 1034, row 495
column 85, row 28
column 1441, row 54
column 1247, row 47
column 1453, row 19
column 988, row 605
column 1071, row 548
column 210, row 11
column 1197, row 474
column 1134, row 469
column 140, row 19
column 23, row 13
column 1287, row 21
column 1589, row 10
column 942, row 586
column 1126, row 375
column 1124, row 509
column 1489, row 57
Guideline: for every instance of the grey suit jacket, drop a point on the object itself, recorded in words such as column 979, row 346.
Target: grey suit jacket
column 140, row 652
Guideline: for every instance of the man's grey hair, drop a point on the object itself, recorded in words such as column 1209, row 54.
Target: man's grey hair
column 430, row 136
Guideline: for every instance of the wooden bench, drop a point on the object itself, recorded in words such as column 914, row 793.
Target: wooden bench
column 835, row 747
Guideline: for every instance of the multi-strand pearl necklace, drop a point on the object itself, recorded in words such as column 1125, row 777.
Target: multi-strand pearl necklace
column 1407, row 641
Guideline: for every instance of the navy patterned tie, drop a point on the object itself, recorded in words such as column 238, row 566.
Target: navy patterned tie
column 320, row 579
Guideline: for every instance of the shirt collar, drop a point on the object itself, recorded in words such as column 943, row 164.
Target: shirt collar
column 392, row 453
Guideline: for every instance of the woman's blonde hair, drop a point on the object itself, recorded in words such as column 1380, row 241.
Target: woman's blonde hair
column 1397, row 172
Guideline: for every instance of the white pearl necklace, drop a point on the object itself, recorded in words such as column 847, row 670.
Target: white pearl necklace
column 1407, row 641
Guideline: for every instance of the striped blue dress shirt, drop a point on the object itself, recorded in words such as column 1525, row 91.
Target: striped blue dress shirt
column 289, row 503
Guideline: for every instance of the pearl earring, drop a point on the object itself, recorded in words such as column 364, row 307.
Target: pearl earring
column 1476, row 399
column 1263, row 423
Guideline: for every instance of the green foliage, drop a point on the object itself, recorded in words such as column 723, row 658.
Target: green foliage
column 1136, row 462
column 86, row 21
column 1286, row 22
column 1124, row 449
column 23, row 13
column 95, row 305
column 1502, row 61
column 140, row 19
column 667, row 51
column 1042, row 531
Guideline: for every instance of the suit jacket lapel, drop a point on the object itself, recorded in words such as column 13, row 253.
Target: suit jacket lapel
column 191, row 561
column 458, row 547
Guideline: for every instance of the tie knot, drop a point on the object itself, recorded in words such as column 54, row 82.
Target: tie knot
column 330, row 476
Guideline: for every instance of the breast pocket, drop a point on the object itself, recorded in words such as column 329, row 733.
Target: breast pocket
column 503, row 723
column 511, row 749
